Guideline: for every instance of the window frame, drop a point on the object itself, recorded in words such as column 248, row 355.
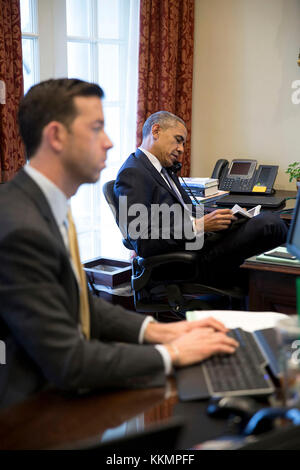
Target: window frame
column 33, row 36
column 51, row 17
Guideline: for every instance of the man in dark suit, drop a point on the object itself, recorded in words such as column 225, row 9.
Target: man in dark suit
column 62, row 125
column 146, row 181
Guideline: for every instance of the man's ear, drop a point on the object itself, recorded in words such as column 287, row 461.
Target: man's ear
column 55, row 134
column 155, row 131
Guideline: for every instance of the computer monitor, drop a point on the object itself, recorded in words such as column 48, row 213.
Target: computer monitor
column 293, row 238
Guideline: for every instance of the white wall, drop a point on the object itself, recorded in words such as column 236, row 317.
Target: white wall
column 245, row 60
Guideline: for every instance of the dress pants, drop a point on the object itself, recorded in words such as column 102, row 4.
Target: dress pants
column 223, row 252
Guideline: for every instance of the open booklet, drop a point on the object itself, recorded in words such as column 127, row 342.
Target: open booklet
column 238, row 211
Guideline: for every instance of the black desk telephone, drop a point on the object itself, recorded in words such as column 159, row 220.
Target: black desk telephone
column 241, row 176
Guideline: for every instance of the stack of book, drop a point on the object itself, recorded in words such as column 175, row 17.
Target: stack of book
column 212, row 198
column 200, row 187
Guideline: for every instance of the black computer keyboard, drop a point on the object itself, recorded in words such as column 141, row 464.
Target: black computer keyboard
column 241, row 373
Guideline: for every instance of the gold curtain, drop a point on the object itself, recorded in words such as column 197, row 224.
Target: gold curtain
column 166, row 63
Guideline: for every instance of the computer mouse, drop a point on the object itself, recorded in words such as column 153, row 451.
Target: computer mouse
column 265, row 419
column 224, row 407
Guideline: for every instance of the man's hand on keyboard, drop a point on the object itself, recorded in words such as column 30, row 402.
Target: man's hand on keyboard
column 167, row 332
column 199, row 344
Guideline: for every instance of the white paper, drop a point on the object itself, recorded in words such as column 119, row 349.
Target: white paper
column 274, row 260
column 202, row 182
column 236, row 210
column 281, row 248
column 249, row 321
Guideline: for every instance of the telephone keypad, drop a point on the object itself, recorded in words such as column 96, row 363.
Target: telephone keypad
column 234, row 183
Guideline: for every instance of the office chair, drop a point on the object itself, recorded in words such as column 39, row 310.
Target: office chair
column 168, row 282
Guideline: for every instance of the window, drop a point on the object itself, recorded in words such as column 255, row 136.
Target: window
column 95, row 40
column 30, row 39
column 98, row 40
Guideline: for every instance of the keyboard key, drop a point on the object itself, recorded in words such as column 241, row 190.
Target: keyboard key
column 241, row 373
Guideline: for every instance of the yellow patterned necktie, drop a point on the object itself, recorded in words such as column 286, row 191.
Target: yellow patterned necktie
column 83, row 294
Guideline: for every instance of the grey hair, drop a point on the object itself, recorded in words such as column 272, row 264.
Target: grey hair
column 163, row 118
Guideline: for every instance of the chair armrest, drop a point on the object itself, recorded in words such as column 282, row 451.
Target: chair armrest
column 187, row 266
column 178, row 262
column 166, row 258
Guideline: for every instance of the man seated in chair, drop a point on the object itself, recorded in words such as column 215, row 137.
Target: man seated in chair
column 157, row 216
column 53, row 331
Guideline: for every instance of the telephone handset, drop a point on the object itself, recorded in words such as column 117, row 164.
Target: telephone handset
column 176, row 167
column 241, row 176
column 220, row 168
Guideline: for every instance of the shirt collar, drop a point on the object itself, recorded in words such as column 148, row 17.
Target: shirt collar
column 55, row 197
column 153, row 159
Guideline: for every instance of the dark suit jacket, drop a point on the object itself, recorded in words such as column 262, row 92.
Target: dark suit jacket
column 39, row 311
column 142, row 183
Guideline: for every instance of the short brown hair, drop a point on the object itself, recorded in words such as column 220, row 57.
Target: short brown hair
column 51, row 100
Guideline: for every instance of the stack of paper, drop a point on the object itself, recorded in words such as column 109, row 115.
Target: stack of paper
column 249, row 321
column 202, row 182
column 218, row 195
column 266, row 258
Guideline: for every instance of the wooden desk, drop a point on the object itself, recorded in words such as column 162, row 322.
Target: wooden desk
column 51, row 420
column 272, row 287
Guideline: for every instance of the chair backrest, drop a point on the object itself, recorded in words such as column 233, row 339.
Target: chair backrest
column 108, row 191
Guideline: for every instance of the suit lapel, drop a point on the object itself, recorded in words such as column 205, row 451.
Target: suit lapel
column 154, row 173
column 160, row 180
column 26, row 184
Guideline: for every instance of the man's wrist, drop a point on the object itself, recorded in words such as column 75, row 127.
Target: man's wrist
column 174, row 354
column 143, row 329
column 164, row 352
column 153, row 333
column 200, row 225
column 158, row 333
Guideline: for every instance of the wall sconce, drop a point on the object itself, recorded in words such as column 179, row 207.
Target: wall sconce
column 298, row 61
